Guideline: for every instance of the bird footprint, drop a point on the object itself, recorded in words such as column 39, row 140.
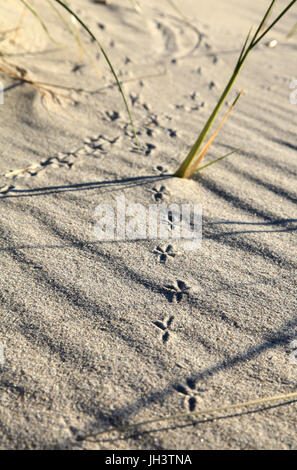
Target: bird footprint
column 165, row 328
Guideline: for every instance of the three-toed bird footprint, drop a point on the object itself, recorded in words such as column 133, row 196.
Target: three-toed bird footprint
column 190, row 393
column 165, row 253
column 178, row 291
column 165, row 328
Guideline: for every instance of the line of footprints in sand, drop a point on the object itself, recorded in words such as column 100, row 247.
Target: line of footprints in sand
column 92, row 146
column 189, row 391
column 176, row 293
column 98, row 146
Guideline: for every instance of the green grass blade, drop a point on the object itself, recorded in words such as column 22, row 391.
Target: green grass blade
column 182, row 170
column 35, row 13
column 195, row 149
column 274, row 22
column 203, row 152
column 86, row 28
column 76, row 36
column 243, row 50
column 66, row 24
column 265, row 17
column 216, row 160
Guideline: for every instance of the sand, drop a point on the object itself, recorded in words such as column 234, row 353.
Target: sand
column 98, row 334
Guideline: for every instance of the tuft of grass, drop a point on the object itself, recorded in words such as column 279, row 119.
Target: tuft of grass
column 195, row 165
column 194, row 156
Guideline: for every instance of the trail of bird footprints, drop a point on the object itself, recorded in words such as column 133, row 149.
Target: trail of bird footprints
column 33, row 170
column 95, row 146
column 176, row 292
column 92, row 146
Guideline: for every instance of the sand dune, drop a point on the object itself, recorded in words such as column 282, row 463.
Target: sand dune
column 101, row 333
